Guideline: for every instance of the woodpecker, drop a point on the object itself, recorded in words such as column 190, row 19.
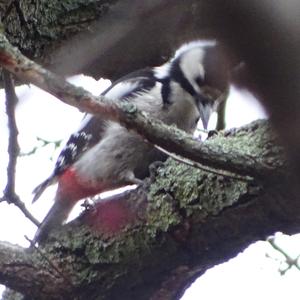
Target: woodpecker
column 102, row 155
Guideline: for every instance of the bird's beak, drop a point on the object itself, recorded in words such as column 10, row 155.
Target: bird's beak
column 205, row 111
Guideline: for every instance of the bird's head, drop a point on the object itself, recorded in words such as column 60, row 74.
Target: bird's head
column 200, row 68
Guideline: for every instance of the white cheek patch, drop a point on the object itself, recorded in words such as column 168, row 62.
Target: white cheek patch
column 191, row 66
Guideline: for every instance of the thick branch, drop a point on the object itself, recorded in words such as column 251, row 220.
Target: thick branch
column 20, row 268
column 220, row 225
column 95, row 33
column 172, row 139
column 188, row 219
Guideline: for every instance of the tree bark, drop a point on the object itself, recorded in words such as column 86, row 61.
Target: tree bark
column 182, row 221
column 95, row 34
column 166, row 233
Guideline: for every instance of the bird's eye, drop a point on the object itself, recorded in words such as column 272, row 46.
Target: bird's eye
column 199, row 80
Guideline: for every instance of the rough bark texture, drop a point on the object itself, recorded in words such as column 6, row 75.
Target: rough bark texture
column 184, row 221
column 179, row 224
column 111, row 38
column 103, row 38
column 37, row 28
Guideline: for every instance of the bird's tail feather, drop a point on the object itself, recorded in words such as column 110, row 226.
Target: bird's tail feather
column 55, row 217
column 38, row 191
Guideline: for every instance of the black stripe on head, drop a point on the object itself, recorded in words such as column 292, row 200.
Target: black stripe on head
column 165, row 90
column 177, row 75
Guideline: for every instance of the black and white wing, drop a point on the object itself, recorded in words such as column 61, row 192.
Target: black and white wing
column 92, row 128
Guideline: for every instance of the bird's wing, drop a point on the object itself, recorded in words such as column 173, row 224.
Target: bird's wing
column 92, row 128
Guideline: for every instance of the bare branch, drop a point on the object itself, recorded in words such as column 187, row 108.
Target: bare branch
column 288, row 259
column 156, row 132
column 13, row 148
column 204, row 168
column 29, row 269
column 185, row 217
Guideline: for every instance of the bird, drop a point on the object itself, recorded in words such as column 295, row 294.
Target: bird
column 102, row 155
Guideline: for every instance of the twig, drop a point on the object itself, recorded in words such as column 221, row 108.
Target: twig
column 10, row 195
column 154, row 131
column 13, row 146
column 204, row 168
column 288, row 259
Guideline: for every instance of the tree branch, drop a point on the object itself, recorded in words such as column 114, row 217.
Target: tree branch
column 13, row 146
column 29, row 269
column 288, row 259
column 186, row 218
column 10, row 195
column 157, row 133
column 195, row 221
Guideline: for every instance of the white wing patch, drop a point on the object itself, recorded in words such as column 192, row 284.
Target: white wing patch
column 121, row 89
column 162, row 71
column 76, row 145
column 84, row 122
column 117, row 92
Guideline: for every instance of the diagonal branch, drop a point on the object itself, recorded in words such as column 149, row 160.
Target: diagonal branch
column 28, row 268
column 13, row 148
column 184, row 218
column 154, row 131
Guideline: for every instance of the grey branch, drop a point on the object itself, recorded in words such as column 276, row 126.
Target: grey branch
column 170, row 138
column 185, row 217
column 10, row 195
